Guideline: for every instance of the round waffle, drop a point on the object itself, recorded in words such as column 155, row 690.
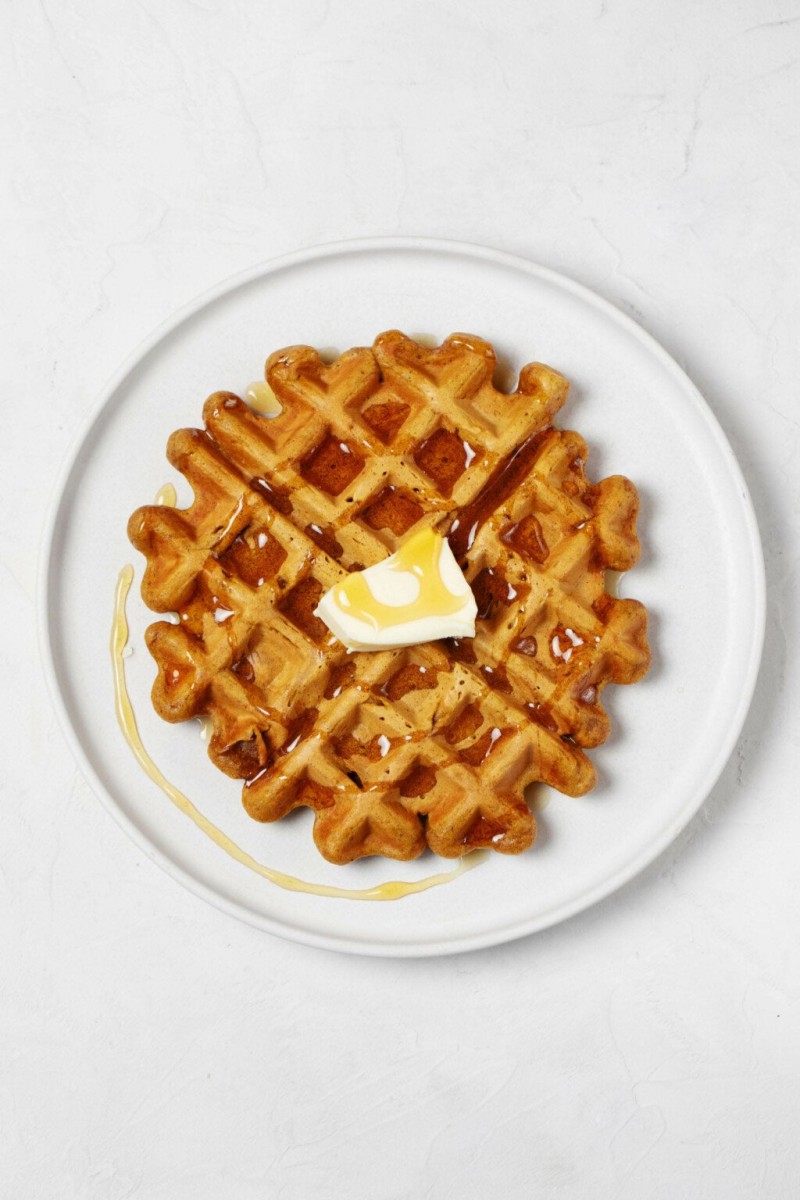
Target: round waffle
column 433, row 744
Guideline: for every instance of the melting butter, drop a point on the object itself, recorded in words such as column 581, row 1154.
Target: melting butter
column 420, row 556
column 393, row 889
column 439, row 601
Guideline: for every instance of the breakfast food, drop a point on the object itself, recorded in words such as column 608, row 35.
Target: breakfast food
column 418, row 594
column 431, row 743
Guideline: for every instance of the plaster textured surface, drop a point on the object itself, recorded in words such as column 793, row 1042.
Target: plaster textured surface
column 153, row 1048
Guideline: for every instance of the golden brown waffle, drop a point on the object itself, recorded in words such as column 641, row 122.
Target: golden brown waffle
column 431, row 744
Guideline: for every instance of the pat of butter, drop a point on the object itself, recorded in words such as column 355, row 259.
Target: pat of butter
column 418, row 594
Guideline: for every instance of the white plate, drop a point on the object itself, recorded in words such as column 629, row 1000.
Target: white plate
column 701, row 577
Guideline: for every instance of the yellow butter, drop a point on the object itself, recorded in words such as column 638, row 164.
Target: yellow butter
column 440, row 605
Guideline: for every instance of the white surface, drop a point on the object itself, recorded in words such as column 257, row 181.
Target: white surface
column 153, row 1047
column 635, row 408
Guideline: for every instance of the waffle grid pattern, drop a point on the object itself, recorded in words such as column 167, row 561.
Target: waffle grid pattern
column 434, row 744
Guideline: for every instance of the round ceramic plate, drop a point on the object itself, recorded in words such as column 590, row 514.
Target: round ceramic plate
column 642, row 418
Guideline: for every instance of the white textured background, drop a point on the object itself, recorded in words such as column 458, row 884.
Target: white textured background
column 151, row 1047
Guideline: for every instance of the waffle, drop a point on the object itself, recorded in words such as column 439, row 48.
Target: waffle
column 433, row 744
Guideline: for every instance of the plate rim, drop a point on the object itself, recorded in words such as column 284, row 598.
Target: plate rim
column 350, row 944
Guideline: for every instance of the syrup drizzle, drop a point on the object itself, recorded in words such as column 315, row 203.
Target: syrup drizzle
column 420, row 555
column 262, row 399
column 167, row 496
column 504, row 480
column 393, row 889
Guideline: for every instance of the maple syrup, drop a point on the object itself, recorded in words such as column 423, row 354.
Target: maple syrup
column 443, row 457
column 503, row 481
column 275, row 494
column 491, row 588
column 326, row 540
column 477, row 754
column 262, row 399
column 527, row 537
column 332, row 465
column 410, row 678
column 393, row 889
column 298, row 607
column 394, row 509
column 419, row 556
column 167, row 496
column 385, row 419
